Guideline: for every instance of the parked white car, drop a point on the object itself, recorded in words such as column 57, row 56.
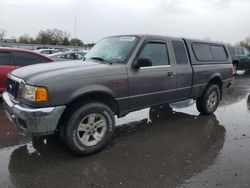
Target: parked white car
column 69, row 55
column 46, row 51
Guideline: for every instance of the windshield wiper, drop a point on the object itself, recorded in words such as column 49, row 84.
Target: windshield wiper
column 101, row 59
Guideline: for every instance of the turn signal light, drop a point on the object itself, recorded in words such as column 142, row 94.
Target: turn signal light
column 41, row 94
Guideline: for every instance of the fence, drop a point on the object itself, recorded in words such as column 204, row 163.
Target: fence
column 36, row 46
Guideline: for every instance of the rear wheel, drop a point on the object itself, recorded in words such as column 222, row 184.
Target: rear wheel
column 209, row 101
column 89, row 128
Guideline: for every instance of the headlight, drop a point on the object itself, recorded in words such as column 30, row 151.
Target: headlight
column 36, row 94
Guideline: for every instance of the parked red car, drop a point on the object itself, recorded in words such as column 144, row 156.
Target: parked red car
column 12, row 58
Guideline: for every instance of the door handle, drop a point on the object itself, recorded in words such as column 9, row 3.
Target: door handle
column 171, row 74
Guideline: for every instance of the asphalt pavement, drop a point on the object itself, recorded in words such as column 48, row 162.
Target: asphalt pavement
column 165, row 146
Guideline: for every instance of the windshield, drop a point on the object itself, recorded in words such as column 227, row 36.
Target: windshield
column 113, row 49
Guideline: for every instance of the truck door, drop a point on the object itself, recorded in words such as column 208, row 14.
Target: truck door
column 154, row 84
column 184, row 70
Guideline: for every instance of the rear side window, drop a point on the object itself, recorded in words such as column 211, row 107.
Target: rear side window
column 157, row 52
column 25, row 58
column 5, row 58
column 202, row 52
column 209, row 52
column 180, row 52
column 218, row 53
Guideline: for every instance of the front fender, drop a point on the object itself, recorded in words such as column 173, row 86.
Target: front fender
column 91, row 89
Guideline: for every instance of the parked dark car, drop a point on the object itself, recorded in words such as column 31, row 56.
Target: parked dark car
column 240, row 57
column 12, row 58
column 121, row 74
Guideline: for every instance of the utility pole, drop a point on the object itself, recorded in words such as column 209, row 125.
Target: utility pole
column 75, row 26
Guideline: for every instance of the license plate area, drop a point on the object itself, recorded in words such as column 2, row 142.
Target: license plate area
column 8, row 112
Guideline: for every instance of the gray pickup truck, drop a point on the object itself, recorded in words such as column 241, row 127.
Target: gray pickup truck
column 120, row 74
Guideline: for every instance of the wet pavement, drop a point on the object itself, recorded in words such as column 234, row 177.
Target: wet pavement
column 157, row 147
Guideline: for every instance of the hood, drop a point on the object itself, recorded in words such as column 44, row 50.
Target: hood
column 64, row 70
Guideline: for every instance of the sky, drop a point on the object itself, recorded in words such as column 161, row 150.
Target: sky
column 218, row 20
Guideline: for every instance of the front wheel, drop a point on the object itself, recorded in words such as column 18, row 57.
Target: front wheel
column 89, row 128
column 209, row 101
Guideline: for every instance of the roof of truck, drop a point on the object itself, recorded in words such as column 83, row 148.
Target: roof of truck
column 169, row 37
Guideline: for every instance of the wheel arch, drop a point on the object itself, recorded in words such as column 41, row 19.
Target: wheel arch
column 236, row 62
column 217, row 80
column 96, row 96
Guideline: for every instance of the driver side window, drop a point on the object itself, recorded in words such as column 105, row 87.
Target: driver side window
column 157, row 52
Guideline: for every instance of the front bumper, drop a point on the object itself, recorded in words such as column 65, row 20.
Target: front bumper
column 36, row 121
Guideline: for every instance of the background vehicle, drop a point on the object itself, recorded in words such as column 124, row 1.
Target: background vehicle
column 241, row 58
column 46, row 51
column 12, row 58
column 59, row 49
column 69, row 55
column 121, row 74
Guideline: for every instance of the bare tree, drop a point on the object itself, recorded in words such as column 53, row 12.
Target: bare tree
column 52, row 36
column 246, row 43
column 2, row 34
column 76, row 42
column 25, row 39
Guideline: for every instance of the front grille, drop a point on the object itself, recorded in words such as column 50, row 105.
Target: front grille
column 12, row 87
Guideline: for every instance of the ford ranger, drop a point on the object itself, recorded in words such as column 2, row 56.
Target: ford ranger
column 120, row 74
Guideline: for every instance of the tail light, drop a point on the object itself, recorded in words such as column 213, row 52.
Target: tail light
column 232, row 71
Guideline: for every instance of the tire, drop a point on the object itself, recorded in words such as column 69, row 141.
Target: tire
column 198, row 105
column 89, row 129
column 209, row 101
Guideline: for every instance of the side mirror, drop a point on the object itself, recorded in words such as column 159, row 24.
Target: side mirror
column 142, row 62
